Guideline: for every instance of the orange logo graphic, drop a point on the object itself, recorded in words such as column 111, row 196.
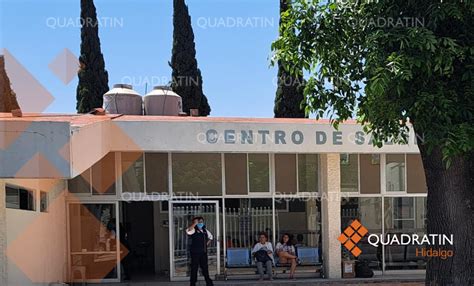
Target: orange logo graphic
column 352, row 235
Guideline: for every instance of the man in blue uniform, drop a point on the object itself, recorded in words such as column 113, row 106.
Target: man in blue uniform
column 200, row 240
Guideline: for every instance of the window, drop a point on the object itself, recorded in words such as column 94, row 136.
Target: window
column 259, row 173
column 416, row 181
column 297, row 206
column 44, row 201
column 397, row 216
column 285, row 174
column 12, row 198
column 99, row 179
column 369, row 174
column 245, row 219
column 92, row 230
column 302, row 223
column 395, row 173
column 349, row 172
column 281, row 205
column 197, row 174
column 368, row 211
column 404, row 215
column 81, row 184
column 132, row 172
column 402, row 212
column 236, row 174
column 308, row 173
column 156, row 169
column 103, row 176
column 293, row 205
column 18, row 198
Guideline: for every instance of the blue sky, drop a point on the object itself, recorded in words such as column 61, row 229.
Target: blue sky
column 233, row 39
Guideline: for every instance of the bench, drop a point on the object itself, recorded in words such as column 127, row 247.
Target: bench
column 239, row 262
column 308, row 256
column 238, row 258
column 309, row 263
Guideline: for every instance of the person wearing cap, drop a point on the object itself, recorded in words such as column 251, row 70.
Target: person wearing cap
column 200, row 240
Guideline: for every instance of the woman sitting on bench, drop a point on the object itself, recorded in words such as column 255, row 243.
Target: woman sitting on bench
column 287, row 254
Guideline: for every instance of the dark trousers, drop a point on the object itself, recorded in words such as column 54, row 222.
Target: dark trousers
column 199, row 260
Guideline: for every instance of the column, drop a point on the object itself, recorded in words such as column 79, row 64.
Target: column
column 331, row 214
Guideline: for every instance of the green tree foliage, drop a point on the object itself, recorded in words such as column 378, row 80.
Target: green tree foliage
column 93, row 78
column 391, row 63
column 187, row 79
column 289, row 99
column 8, row 100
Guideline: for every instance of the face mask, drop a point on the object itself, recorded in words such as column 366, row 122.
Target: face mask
column 200, row 225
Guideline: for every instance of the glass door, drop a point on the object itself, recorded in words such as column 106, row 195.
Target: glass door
column 93, row 242
column 181, row 214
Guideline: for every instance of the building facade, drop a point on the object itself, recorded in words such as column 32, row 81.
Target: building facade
column 108, row 196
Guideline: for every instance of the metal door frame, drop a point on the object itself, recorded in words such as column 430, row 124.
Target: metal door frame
column 172, row 235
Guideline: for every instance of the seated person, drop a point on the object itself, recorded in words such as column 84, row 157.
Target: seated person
column 299, row 240
column 286, row 253
column 263, row 254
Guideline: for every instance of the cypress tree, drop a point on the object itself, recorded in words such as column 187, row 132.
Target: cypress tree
column 289, row 95
column 8, row 100
column 93, row 78
column 187, row 79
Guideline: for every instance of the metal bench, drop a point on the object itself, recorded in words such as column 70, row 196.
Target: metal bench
column 308, row 256
column 238, row 258
column 309, row 263
column 239, row 262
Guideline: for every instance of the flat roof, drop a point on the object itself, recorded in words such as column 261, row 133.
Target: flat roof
column 227, row 119
column 68, row 144
column 85, row 119
column 73, row 119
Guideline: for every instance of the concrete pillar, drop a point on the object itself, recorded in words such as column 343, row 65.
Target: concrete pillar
column 3, row 235
column 331, row 214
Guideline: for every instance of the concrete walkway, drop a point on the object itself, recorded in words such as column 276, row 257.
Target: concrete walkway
column 386, row 280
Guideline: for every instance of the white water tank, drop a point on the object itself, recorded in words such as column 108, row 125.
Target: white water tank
column 162, row 101
column 122, row 99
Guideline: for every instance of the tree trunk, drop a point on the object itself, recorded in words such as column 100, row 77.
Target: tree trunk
column 450, row 211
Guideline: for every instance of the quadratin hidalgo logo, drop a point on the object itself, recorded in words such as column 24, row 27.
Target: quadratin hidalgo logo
column 351, row 236
column 356, row 231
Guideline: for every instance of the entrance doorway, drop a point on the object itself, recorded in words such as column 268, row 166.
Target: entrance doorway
column 181, row 214
column 138, row 236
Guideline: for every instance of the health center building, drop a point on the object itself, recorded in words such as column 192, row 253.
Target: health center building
column 99, row 197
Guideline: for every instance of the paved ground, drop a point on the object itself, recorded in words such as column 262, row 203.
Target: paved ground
column 387, row 280
column 274, row 283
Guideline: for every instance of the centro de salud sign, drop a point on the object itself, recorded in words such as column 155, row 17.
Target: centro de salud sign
column 239, row 136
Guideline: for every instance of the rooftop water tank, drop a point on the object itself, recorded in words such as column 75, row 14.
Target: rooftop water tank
column 122, row 99
column 162, row 101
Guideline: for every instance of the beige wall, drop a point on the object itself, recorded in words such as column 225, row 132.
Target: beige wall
column 36, row 241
